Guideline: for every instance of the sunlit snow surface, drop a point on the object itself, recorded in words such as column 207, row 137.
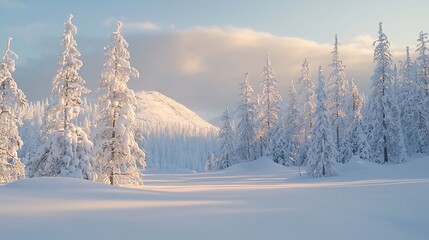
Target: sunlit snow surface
column 258, row 200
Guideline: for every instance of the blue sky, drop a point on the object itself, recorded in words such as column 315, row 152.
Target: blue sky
column 160, row 33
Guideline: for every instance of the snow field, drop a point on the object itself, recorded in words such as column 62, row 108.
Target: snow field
column 257, row 200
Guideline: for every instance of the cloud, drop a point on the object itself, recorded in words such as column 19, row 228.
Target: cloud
column 202, row 67
column 192, row 65
column 11, row 4
column 132, row 25
column 110, row 21
column 364, row 40
column 141, row 25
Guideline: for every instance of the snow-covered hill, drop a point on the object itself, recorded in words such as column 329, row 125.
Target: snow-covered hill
column 174, row 136
column 256, row 200
column 154, row 108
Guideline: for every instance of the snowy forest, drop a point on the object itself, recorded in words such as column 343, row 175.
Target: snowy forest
column 324, row 120
column 317, row 126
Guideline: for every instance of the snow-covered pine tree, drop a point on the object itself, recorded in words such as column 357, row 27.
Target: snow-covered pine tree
column 227, row 155
column 212, row 163
column 277, row 149
column 292, row 127
column 306, row 106
column 422, row 79
column 384, row 130
column 339, row 100
column 116, row 153
column 269, row 108
column 362, row 147
column 422, row 62
column 412, row 105
column 246, row 128
column 357, row 135
column 397, row 83
column 259, row 151
column 322, row 150
column 29, row 131
column 12, row 102
column 66, row 150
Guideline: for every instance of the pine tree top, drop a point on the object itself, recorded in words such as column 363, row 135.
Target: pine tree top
column 9, row 57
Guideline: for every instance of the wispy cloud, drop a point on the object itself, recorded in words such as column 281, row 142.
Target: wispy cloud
column 110, row 21
column 132, row 25
column 141, row 25
column 11, row 4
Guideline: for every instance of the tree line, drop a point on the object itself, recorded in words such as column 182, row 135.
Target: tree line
column 329, row 124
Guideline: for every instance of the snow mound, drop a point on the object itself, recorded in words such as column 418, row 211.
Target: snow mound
column 260, row 165
column 357, row 168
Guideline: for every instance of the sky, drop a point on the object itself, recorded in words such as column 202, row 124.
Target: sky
column 197, row 52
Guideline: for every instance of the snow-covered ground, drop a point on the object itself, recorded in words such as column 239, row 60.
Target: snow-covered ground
column 258, row 200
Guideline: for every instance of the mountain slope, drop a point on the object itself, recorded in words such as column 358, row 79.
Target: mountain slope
column 174, row 136
column 156, row 108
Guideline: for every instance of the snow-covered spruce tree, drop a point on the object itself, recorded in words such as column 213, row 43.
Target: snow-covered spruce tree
column 66, row 150
column 116, row 153
column 384, row 130
column 212, row 163
column 246, row 128
column 269, row 107
column 397, row 83
column 30, row 129
column 12, row 102
column 422, row 62
column 227, row 156
column 277, row 148
column 306, row 106
column 357, row 136
column 422, row 79
column 322, row 151
column 339, row 101
column 292, row 127
column 413, row 104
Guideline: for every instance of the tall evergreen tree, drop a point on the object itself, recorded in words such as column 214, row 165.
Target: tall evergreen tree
column 322, row 151
column 357, row 135
column 212, row 163
column 277, row 148
column 422, row 61
column 384, row 131
column 269, row 107
column 339, row 99
column 12, row 102
column 422, row 78
column 227, row 155
column 292, row 125
column 246, row 128
column 66, row 148
column 413, row 104
column 116, row 153
column 306, row 106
